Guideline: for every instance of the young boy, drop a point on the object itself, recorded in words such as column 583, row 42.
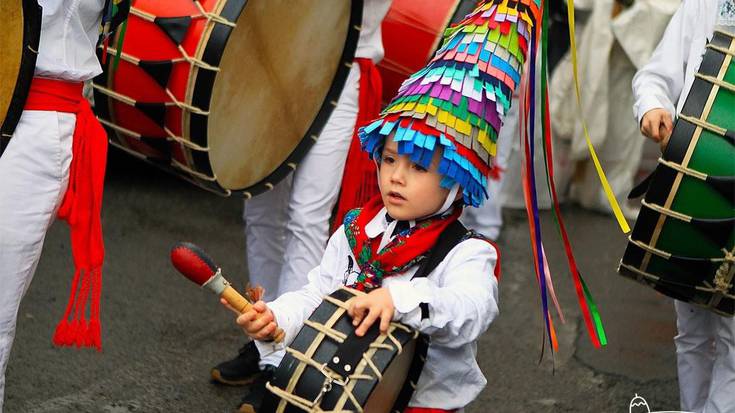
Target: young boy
column 462, row 293
column 705, row 345
column 434, row 145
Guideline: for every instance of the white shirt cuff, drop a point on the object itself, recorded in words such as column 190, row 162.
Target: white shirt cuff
column 650, row 102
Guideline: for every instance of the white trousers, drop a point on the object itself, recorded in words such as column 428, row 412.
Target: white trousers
column 705, row 351
column 286, row 229
column 34, row 173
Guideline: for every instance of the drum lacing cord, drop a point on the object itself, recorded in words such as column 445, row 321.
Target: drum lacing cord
column 683, row 169
column 724, row 274
column 300, row 402
column 707, row 288
column 213, row 16
column 204, row 15
column 721, row 83
column 666, row 211
column 178, row 165
column 184, row 58
column 704, row 124
column 132, row 102
column 335, row 335
column 171, row 136
column 721, row 49
column 646, row 247
column 666, row 255
column 330, row 377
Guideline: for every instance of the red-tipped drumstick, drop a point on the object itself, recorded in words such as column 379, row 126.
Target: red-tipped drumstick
column 196, row 265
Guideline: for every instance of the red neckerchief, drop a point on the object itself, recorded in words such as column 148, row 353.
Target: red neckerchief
column 81, row 208
column 404, row 251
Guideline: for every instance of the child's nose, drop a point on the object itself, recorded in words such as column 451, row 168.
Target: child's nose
column 399, row 172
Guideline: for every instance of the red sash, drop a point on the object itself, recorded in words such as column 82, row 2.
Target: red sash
column 80, row 208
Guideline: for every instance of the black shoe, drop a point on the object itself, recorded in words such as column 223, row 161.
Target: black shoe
column 253, row 400
column 241, row 370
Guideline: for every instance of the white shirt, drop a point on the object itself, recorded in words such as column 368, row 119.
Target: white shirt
column 370, row 44
column 462, row 294
column 69, row 34
column 665, row 81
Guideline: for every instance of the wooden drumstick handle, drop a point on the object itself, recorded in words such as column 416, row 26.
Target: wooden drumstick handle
column 242, row 305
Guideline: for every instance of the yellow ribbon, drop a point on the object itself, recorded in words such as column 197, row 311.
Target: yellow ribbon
column 603, row 179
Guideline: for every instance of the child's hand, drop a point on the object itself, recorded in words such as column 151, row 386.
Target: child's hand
column 259, row 322
column 365, row 309
column 657, row 125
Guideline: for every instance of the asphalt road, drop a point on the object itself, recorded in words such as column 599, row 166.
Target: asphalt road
column 161, row 334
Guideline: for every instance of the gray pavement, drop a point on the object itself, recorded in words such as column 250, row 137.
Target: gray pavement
column 161, row 334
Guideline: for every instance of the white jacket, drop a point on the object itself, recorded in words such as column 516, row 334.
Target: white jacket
column 665, row 81
column 69, row 33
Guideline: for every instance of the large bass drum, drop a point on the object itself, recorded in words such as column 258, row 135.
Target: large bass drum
column 19, row 39
column 683, row 243
column 327, row 368
column 412, row 31
column 228, row 94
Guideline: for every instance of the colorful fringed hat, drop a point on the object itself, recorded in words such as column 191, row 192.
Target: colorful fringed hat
column 458, row 101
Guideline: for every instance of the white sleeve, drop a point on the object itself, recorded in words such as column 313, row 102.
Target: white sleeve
column 463, row 306
column 659, row 83
column 293, row 308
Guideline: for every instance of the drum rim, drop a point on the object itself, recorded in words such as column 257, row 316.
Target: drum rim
column 31, row 37
column 212, row 54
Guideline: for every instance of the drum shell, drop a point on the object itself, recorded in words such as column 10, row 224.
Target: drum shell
column 188, row 143
column 309, row 381
column 706, row 152
column 412, row 33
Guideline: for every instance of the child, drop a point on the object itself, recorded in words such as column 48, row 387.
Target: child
column 705, row 345
column 434, row 145
column 461, row 293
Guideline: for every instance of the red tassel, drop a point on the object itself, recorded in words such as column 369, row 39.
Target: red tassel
column 80, row 332
column 61, row 334
column 94, row 335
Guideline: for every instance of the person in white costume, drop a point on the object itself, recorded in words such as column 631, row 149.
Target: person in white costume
column 705, row 343
column 35, row 166
column 615, row 41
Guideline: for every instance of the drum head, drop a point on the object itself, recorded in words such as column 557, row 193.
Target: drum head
column 21, row 28
column 279, row 64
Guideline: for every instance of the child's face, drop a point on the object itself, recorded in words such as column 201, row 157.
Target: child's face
column 408, row 190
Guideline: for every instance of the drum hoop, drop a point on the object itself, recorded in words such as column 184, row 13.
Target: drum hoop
column 212, row 55
column 31, row 38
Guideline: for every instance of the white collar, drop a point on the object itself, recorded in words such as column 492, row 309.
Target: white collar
column 380, row 225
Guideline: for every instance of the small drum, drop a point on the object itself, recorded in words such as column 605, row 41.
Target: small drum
column 18, row 50
column 411, row 34
column 228, row 94
column 328, row 368
column 683, row 243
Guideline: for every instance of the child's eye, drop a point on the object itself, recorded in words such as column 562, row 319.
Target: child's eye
column 419, row 167
column 388, row 159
